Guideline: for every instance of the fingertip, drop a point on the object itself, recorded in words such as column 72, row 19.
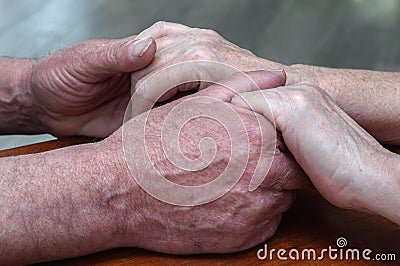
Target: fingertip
column 267, row 79
column 119, row 56
column 142, row 47
column 278, row 75
column 142, row 52
column 150, row 52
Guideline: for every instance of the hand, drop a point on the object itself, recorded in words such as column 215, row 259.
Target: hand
column 84, row 89
column 353, row 90
column 239, row 219
column 84, row 199
column 348, row 166
column 178, row 43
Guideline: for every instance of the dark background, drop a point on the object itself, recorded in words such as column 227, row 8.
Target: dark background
column 337, row 33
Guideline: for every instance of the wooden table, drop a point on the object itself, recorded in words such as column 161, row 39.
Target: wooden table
column 310, row 223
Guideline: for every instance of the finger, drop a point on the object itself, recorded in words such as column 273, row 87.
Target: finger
column 246, row 82
column 162, row 28
column 175, row 77
column 118, row 57
column 162, row 59
column 261, row 102
column 149, row 91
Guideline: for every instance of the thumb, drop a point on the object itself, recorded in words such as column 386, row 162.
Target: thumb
column 120, row 57
column 264, row 102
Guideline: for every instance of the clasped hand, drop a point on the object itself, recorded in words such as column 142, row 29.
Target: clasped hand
column 84, row 90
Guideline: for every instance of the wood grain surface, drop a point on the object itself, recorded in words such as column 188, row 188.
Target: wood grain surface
column 311, row 223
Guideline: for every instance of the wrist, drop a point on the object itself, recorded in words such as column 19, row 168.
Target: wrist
column 121, row 195
column 381, row 186
column 27, row 115
column 388, row 190
column 36, row 113
column 98, row 192
column 18, row 113
column 88, row 188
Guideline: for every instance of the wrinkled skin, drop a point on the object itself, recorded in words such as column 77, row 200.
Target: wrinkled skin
column 84, row 89
column 238, row 220
column 178, row 43
column 346, row 164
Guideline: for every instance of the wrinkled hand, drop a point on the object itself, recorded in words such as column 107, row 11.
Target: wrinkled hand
column 347, row 165
column 239, row 219
column 84, row 89
column 178, row 43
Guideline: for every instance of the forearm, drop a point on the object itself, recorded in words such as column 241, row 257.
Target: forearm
column 56, row 205
column 17, row 112
column 371, row 98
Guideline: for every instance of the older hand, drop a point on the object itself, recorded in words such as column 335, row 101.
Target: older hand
column 348, row 166
column 177, row 43
column 237, row 220
column 84, row 89
column 84, row 199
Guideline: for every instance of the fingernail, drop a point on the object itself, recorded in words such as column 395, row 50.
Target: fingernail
column 278, row 70
column 140, row 46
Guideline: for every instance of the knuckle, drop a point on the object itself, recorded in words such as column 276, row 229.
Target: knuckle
column 200, row 53
column 308, row 95
column 210, row 32
column 302, row 99
column 160, row 25
column 247, row 52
